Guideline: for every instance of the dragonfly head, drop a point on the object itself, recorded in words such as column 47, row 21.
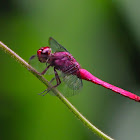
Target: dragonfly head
column 43, row 54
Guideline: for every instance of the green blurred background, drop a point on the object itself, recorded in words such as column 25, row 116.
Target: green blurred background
column 104, row 38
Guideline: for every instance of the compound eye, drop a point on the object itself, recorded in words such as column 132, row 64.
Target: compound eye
column 46, row 51
column 39, row 51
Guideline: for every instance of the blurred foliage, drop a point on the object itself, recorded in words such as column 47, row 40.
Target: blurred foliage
column 102, row 35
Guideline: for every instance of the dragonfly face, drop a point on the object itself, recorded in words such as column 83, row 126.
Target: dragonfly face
column 43, row 54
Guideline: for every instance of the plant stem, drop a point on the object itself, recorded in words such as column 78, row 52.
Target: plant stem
column 56, row 92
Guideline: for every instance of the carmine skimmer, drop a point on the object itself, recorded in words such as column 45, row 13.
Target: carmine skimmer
column 71, row 73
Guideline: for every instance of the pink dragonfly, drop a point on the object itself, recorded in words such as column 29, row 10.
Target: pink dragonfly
column 71, row 73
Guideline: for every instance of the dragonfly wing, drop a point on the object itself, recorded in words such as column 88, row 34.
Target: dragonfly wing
column 73, row 83
column 70, row 84
column 55, row 46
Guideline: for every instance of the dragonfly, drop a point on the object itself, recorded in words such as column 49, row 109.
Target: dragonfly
column 70, row 71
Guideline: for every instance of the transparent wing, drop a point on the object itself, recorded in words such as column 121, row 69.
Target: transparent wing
column 70, row 85
column 72, row 81
column 55, row 46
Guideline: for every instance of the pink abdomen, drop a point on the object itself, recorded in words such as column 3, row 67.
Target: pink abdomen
column 89, row 77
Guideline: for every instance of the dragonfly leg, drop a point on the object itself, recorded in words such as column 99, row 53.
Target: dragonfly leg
column 57, row 80
column 44, row 71
column 52, row 79
column 42, row 92
column 32, row 57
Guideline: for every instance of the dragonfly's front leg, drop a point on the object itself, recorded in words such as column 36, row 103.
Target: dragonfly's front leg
column 43, row 72
column 32, row 57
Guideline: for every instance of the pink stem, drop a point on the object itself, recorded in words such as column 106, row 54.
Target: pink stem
column 89, row 77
